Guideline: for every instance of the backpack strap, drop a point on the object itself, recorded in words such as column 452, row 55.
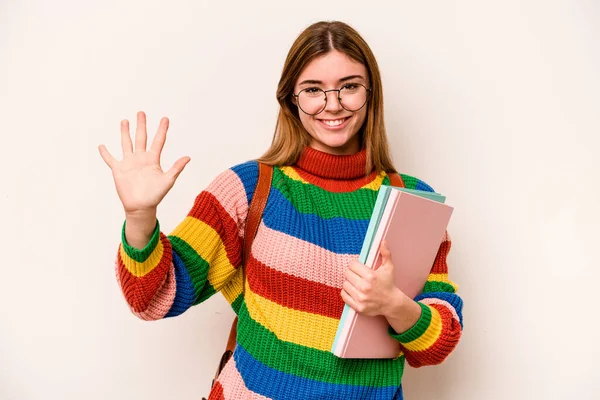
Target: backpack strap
column 255, row 211
column 396, row 180
column 257, row 206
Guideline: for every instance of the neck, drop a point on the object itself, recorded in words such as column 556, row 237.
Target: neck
column 332, row 166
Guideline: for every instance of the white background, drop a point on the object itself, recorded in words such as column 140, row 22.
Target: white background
column 495, row 104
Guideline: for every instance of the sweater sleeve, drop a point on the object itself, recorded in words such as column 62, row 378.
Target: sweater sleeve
column 200, row 257
column 438, row 330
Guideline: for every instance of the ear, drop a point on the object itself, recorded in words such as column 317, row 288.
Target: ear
column 294, row 101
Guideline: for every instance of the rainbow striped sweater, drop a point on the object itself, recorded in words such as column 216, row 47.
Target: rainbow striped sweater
column 313, row 225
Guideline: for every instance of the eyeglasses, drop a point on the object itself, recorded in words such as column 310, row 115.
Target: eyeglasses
column 352, row 97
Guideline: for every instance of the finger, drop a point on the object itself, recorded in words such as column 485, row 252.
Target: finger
column 106, row 156
column 350, row 289
column 350, row 301
column 178, row 167
column 385, row 252
column 140, row 132
column 360, row 269
column 161, row 136
column 353, row 278
column 126, row 145
column 386, row 257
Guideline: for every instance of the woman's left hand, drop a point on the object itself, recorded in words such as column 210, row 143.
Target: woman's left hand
column 372, row 292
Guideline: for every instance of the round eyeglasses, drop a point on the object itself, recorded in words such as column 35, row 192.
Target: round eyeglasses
column 352, row 97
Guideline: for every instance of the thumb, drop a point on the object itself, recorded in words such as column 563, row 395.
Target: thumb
column 386, row 254
column 178, row 167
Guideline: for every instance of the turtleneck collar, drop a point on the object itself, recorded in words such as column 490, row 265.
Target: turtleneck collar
column 330, row 166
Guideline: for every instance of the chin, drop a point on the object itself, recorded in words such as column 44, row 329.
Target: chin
column 338, row 139
column 335, row 141
column 340, row 147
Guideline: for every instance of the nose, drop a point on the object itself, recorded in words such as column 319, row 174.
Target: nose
column 333, row 101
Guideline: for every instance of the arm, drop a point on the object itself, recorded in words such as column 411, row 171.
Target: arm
column 438, row 329
column 199, row 258
column 428, row 327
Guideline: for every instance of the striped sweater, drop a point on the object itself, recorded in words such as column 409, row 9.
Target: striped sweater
column 313, row 225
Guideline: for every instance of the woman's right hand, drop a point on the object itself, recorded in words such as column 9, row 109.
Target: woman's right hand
column 140, row 181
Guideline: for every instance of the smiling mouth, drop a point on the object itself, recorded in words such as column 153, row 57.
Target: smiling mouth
column 334, row 122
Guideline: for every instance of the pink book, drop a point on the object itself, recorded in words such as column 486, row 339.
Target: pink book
column 413, row 227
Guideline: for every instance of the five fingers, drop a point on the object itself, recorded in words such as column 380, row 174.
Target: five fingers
column 141, row 141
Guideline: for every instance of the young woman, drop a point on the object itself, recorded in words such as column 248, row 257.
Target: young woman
column 330, row 157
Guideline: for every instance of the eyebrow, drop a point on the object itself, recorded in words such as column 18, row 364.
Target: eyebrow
column 315, row 82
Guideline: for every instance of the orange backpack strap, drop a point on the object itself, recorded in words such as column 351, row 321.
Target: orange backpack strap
column 396, row 180
column 257, row 206
column 255, row 211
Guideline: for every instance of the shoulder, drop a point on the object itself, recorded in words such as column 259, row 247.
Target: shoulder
column 412, row 182
column 247, row 173
column 237, row 181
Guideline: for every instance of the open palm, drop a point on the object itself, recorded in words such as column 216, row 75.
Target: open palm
column 140, row 181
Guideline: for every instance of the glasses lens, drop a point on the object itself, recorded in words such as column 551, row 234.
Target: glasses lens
column 353, row 97
column 312, row 101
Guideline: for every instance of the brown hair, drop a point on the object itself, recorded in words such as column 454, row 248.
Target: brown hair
column 290, row 137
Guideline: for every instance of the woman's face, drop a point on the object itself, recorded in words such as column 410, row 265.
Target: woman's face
column 335, row 129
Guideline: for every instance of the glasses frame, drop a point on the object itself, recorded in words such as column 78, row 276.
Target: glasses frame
column 339, row 97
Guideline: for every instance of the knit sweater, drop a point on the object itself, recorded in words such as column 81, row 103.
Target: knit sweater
column 313, row 225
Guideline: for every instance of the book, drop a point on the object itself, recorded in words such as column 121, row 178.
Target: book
column 413, row 223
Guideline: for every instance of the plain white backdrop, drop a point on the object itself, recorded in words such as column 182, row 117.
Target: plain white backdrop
column 494, row 103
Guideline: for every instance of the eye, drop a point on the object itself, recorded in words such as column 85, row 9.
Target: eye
column 351, row 86
column 312, row 90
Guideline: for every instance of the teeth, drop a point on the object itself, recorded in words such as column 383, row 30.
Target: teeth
column 335, row 122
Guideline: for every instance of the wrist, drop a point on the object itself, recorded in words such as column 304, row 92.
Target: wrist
column 139, row 228
column 141, row 219
column 403, row 312
column 137, row 246
column 397, row 301
column 141, row 215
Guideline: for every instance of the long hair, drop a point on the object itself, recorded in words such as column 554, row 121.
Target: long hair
column 290, row 137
